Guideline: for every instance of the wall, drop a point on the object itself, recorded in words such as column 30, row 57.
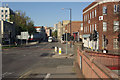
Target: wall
column 92, row 68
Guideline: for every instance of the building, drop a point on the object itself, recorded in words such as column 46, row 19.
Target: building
column 5, row 13
column 38, row 28
column 7, row 31
column 61, row 28
column 55, row 27
column 76, row 29
column 48, row 31
column 102, row 16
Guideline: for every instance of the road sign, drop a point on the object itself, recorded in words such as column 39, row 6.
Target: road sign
column 24, row 35
column 100, row 18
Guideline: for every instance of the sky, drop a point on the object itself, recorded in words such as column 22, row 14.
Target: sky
column 49, row 13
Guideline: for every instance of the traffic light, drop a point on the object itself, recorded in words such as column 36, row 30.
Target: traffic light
column 63, row 37
column 95, row 36
column 119, row 37
column 91, row 37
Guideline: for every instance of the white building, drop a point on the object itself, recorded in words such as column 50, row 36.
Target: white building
column 5, row 13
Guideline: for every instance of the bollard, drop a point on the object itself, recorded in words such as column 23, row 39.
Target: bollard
column 59, row 51
column 55, row 49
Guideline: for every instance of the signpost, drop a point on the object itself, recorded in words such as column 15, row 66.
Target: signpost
column 25, row 36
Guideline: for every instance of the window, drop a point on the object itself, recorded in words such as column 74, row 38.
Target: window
column 84, row 18
column 104, row 10
column 116, row 26
column 104, row 26
column 1, row 10
column 81, row 26
column 5, row 15
column 5, row 10
column 86, row 28
column 95, row 27
column 95, row 12
column 115, row 44
column 90, row 15
column 116, row 8
column 2, row 15
column 90, row 28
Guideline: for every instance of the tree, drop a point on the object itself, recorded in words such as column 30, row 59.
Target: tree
column 22, row 22
column 54, row 34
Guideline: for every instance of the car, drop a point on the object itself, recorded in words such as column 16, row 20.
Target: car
column 50, row 39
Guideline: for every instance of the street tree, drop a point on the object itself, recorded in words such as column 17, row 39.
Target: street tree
column 22, row 22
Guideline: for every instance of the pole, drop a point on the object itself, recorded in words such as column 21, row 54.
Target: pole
column 70, row 26
column 66, row 42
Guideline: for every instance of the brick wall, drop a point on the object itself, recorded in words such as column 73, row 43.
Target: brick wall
column 92, row 68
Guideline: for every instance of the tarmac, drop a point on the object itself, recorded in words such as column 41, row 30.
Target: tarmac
column 63, row 72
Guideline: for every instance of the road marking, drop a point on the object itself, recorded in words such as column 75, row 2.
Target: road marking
column 47, row 76
column 6, row 74
column 23, row 75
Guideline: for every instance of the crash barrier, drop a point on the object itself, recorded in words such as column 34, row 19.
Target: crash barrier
column 95, row 66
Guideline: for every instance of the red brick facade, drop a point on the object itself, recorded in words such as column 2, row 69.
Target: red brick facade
column 75, row 27
column 95, row 10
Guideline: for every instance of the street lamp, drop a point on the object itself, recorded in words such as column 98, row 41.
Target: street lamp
column 70, row 21
column 70, row 26
column 70, row 16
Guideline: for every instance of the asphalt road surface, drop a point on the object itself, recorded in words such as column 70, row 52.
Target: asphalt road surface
column 17, row 62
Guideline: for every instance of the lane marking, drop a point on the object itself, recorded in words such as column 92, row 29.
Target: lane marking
column 23, row 75
column 7, row 73
column 47, row 76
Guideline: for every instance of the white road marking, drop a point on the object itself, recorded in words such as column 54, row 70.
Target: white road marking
column 47, row 76
column 6, row 74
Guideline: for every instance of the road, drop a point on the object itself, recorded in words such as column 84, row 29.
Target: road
column 36, row 62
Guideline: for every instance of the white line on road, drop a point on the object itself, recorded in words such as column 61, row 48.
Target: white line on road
column 6, row 74
column 47, row 76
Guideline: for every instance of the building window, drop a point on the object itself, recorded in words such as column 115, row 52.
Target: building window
column 81, row 26
column 95, row 27
column 86, row 28
column 116, row 8
column 104, row 26
column 1, row 10
column 6, row 15
column 2, row 15
column 104, row 10
column 115, row 44
column 90, row 15
column 5, row 10
column 95, row 12
column 84, row 18
column 116, row 26
column 90, row 28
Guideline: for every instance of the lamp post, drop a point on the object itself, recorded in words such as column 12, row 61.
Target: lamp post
column 70, row 21
column 70, row 16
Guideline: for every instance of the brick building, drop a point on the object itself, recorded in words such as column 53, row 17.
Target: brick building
column 103, row 17
column 76, row 29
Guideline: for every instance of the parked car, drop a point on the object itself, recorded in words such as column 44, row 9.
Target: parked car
column 50, row 39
